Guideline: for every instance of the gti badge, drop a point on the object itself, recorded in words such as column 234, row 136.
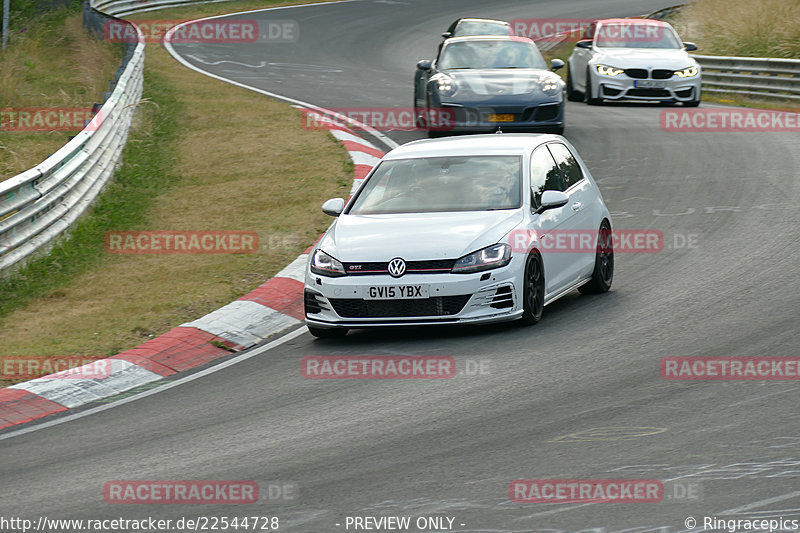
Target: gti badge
column 397, row 267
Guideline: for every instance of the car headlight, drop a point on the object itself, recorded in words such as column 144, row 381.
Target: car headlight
column 446, row 86
column 494, row 256
column 688, row 72
column 605, row 70
column 325, row 265
column 550, row 86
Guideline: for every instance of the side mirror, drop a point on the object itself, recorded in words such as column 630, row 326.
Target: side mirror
column 424, row 64
column 584, row 43
column 551, row 200
column 556, row 64
column 335, row 206
column 447, row 34
column 689, row 47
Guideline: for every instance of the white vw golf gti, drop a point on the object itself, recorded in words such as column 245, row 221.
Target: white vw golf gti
column 451, row 231
column 633, row 59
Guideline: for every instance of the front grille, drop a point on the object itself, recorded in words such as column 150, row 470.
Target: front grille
column 638, row 73
column 661, row 74
column 435, row 306
column 655, row 93
column 546, row 112
column 434, row 266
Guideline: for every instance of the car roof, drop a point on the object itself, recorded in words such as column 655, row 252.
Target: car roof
column 651, row 22
column 491, row 143
column 452, row 40
column 493, row 21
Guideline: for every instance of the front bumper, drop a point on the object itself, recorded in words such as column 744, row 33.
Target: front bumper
column 542, row 116
column 482, row 297
column 624, row 87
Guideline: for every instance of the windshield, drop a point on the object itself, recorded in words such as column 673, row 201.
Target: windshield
column 441, row 184
column 491, row 54
column 637, row 35
column 475, row 27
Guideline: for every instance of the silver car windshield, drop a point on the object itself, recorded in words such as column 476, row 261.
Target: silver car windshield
column 441, row 184
column 491, row 54
column 637, row 35
column 476, row 27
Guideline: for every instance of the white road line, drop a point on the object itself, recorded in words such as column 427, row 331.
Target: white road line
column 168, row 45
column 210, row 370
column 768, row 501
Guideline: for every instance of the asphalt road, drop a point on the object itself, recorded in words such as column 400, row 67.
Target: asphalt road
column 578, row 396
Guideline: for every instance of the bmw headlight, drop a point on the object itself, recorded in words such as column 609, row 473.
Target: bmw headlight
column 605, row 70
column 494, row 256
column 446, row 86
column 688, row 72
column 325, row 265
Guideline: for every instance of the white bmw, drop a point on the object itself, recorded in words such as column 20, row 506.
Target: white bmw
column 451, row 231
column 633, row 59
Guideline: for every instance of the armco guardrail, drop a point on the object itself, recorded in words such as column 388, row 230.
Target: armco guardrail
column 768, row 78
column 772, row 78
column 121, row 8
column 41, row 203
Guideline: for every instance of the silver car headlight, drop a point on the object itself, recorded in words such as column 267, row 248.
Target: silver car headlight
column 687, row 72
column 494, row 256
column 325, row 265
column 605, row 70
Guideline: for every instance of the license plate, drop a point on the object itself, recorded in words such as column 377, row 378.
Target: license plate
column 649, row 84
column 396, row 292
column 502, row 117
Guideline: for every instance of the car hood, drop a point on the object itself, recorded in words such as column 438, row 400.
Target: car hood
column 499, row 82
column 643, row 58
column 416, row 236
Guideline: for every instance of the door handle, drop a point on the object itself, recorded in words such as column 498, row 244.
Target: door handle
column 577, row 206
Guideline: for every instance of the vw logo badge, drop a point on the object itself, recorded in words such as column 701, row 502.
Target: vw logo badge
column 397, row 267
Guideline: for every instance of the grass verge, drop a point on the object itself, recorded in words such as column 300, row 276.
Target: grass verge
column 53, row 63
column 768, row 28
column 204, row 156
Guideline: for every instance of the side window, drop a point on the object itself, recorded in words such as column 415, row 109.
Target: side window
column 567, row 163
column 545, row 175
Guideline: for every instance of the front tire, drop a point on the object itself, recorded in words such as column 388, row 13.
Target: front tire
column 693, row 103
column 327, row 333
column 533, row 290
column 588, row 95
column 572, row 94
column 603, row 273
